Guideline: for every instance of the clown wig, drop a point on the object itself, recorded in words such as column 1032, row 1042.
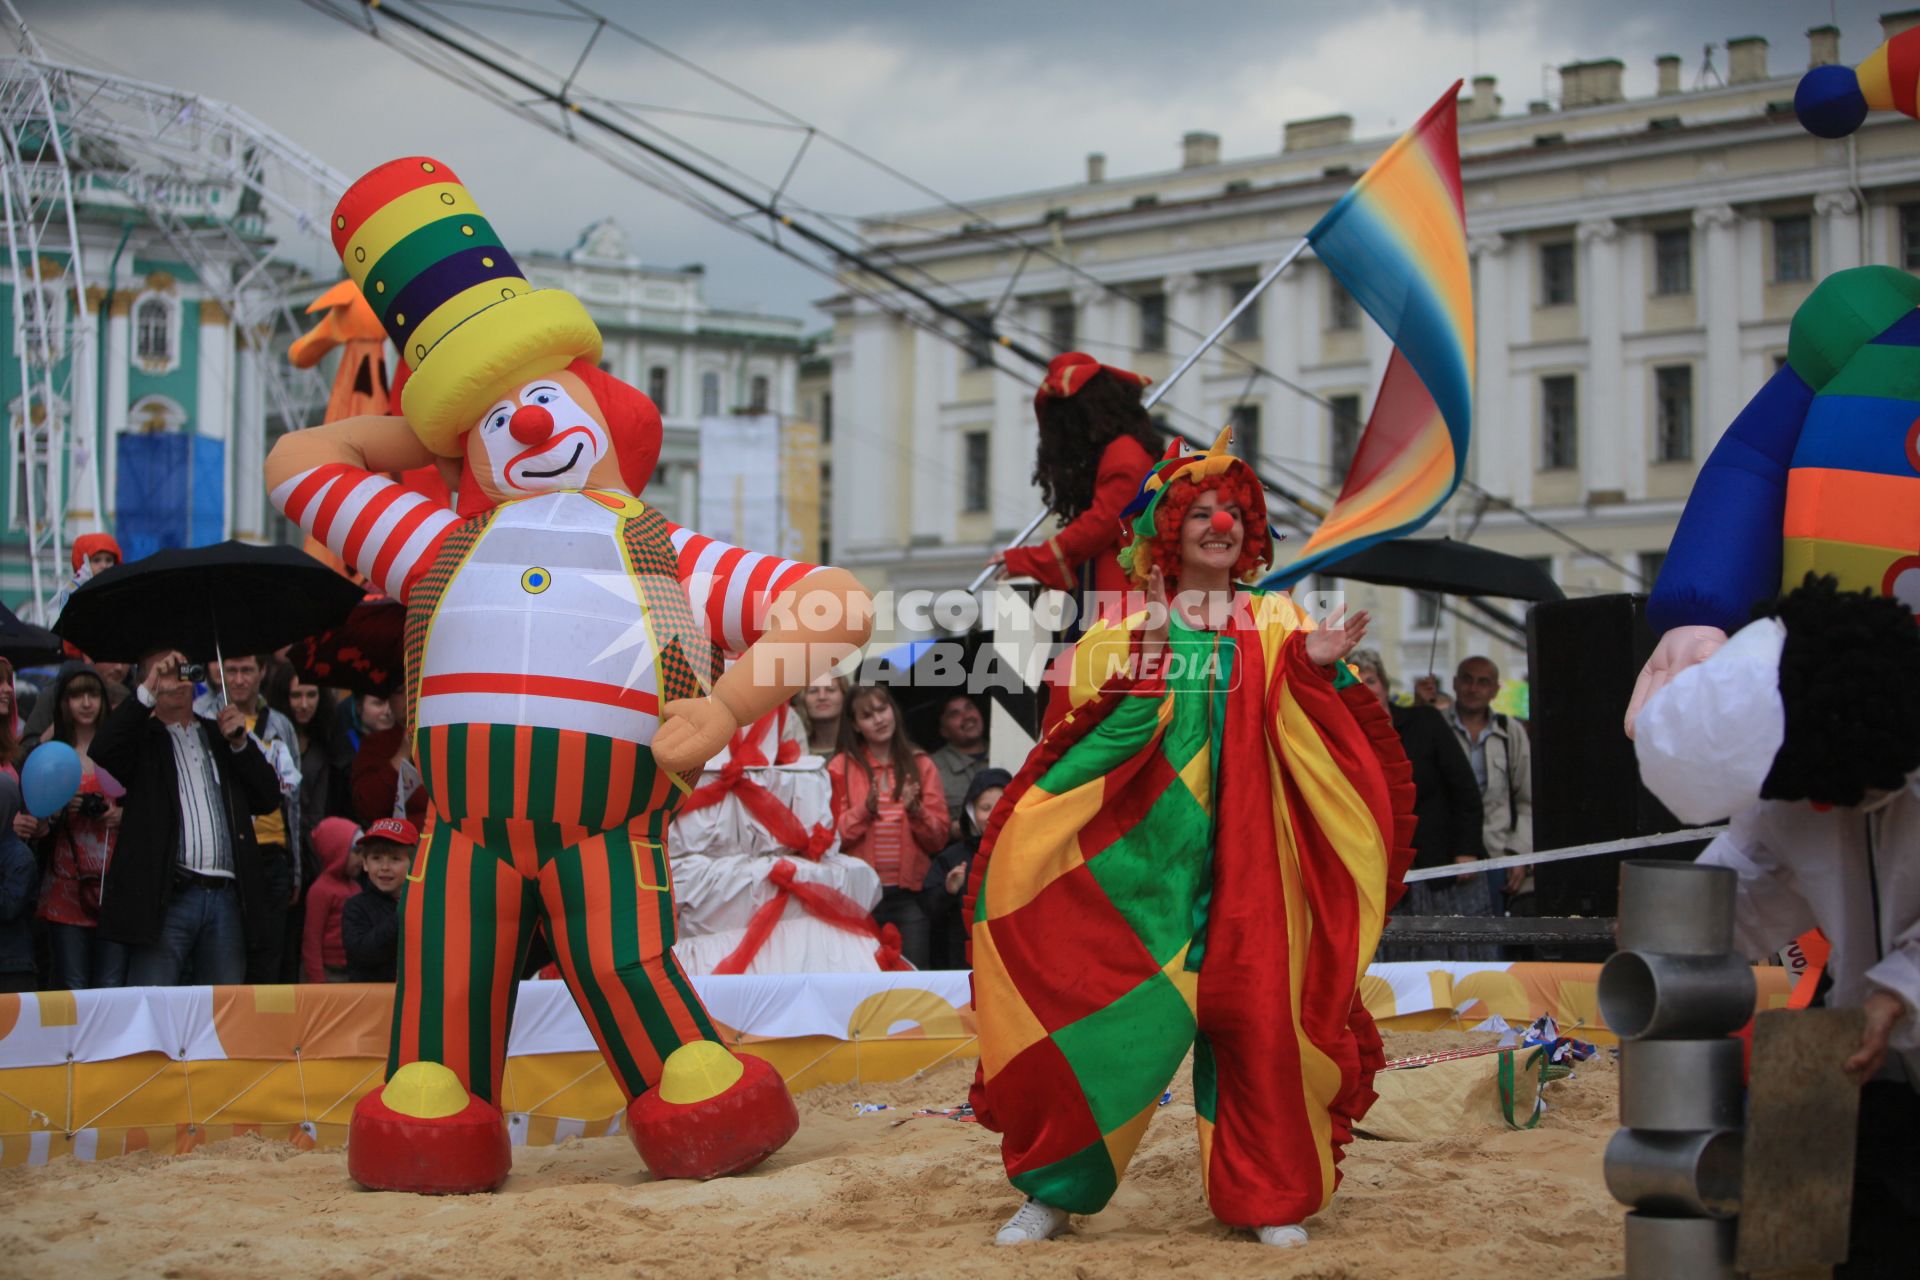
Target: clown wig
column 1235, row 484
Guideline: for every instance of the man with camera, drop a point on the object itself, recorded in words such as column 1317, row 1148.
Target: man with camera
column 187, row 866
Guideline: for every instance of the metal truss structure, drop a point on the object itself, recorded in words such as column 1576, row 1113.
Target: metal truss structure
column 221, row 191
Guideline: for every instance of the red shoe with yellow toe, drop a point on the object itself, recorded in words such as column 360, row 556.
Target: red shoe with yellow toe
column 712, row 1114
column 423, row 1132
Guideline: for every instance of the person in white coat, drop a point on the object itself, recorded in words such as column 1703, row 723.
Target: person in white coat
column 1805, row 730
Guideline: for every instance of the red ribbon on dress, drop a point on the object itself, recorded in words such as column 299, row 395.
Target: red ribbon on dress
column 829, row 906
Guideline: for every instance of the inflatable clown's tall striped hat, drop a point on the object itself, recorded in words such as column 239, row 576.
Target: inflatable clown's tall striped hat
column 467, row 324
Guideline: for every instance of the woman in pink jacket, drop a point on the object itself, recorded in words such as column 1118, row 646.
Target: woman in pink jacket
column 890, row 810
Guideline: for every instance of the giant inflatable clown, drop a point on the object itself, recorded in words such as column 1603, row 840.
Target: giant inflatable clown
column 564, row 649
column 1819, row 473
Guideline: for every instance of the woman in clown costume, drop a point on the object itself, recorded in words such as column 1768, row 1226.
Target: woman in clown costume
column 1200, row 854
column 564, row 651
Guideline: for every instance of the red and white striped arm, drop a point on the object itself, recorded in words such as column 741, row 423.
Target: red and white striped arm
column 379, row 526
column 732, row 589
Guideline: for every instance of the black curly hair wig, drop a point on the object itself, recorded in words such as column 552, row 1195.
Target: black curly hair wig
column 1850, row 683
column 1075, row 430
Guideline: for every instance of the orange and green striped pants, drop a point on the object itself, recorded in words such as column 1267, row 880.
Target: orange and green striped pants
column 529, row 826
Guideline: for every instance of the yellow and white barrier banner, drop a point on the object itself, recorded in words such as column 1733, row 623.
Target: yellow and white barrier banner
column 99, row 1073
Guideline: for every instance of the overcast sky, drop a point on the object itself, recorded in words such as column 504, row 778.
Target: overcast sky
column 972, row 99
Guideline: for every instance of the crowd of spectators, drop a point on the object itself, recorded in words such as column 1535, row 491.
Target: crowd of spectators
column 226, row 819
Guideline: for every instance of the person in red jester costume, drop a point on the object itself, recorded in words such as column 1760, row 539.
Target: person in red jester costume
column 1096, row 446
column 564, row 646
column 1199, row 855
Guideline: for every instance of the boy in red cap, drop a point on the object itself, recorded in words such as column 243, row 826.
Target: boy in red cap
column 370, row 920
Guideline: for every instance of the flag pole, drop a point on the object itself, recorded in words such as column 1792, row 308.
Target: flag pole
column 1154, row 397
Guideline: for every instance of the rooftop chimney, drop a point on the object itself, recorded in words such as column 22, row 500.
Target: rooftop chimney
column 1591, row 84
column 1667, row 67
column 1539, row 107
column 1096, row 166
column 1892, row 24
column 1198, row 149
column 1746, row 59
column 1485, row 103
column 1823, row 46
column 1320, row 131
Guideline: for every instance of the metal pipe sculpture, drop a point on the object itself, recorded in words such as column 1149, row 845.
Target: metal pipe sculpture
column 1673, row 993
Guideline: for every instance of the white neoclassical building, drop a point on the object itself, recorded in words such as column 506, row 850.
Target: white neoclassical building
column 1636, row 264
column 694, row 359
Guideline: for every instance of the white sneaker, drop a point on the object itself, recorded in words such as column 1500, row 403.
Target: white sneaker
column 1033, row 1223
column 1281, row 1237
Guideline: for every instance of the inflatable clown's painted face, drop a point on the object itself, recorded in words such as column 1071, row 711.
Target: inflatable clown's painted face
column 544, row 436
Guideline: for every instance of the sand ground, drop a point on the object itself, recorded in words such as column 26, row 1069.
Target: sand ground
column 852, row 1196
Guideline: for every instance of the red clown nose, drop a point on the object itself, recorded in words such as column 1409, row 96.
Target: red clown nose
column 530, row 424
column 1222, row 520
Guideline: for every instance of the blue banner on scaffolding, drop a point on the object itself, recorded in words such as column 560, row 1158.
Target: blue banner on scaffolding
column 171, row 491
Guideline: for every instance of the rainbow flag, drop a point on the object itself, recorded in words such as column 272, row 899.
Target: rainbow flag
column 1398, row 241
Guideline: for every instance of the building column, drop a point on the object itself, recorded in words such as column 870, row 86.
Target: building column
column 924, row 456
column 1291, row 420
column 1719, row 289
column 83, row 513
column 1604, row 420
column 868, row 445
column 1186, row 301
column 113, row 406
column 1839, row 214
column 1095, row 325
column 1010, row 455
column 213, row 397
column 250, row 438
column 1497, row 438
column 685, row 394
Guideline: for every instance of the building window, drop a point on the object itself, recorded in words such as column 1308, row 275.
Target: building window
column 1673, row 261
column 43, row 322
column 1651, row 562
column 1792, row 249
column 826, row 417
column 1246, row 432
column 1153, row 322
column 1060, row 318
column 1246, row 326
column 153, row 331
column 759, row 390
column 979, row 344
column 1673, row 413
column 657, row 387
column 709, row 394
column 974, row 498
column 1426, row 610
column 1559, row 424
column 1346, row 433
column 1556, row 274
column 1910, row 236
column 1343, row 309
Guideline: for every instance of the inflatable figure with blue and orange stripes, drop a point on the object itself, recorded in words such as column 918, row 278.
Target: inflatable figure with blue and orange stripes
column 564, row 651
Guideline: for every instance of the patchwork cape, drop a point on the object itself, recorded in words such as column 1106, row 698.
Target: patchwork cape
column 1201, row 853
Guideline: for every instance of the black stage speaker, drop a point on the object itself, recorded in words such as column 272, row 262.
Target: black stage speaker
column 1584, row 656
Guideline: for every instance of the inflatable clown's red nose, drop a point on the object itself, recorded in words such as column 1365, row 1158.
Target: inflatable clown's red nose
column 530, row 424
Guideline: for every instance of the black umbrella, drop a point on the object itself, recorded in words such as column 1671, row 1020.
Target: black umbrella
column 1449, row 567
column 25, row 645
column 229, row 598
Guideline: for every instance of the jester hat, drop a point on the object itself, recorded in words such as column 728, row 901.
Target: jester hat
column 1203, row 470
column 1072, row 370
column 465, row 320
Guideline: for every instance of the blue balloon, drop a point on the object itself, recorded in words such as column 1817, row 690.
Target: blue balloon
column 1829, row 102
column 49, row 778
